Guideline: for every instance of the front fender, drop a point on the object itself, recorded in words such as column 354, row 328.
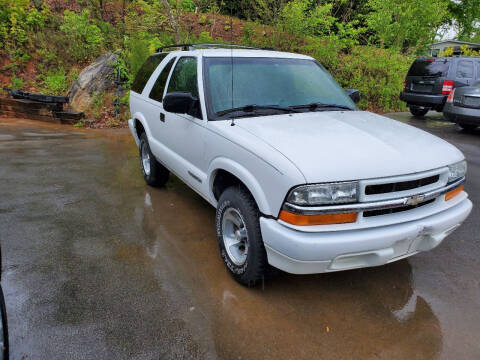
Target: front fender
column 222, row 163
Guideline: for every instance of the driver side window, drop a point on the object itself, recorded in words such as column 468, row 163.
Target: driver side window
column 184, row 77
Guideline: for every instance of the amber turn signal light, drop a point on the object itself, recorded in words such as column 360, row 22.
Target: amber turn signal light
column 453, row 193
column 322, row 219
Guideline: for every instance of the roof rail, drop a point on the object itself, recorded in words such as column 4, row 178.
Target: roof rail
column 189, row 47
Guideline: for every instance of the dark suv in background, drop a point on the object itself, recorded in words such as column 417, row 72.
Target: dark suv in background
column 430, row 80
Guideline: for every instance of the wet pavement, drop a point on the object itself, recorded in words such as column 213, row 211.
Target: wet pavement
column 96, row 265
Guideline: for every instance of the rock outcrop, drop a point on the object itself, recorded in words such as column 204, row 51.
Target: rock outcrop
column 95, row 78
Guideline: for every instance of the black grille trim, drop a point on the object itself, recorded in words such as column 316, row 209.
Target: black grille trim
column 395, row 210
column 400, row 186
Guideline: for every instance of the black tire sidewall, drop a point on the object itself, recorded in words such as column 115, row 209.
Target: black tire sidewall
column 158, row 173
column 417, row 111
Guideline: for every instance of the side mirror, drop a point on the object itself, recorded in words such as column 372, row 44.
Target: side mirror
column 179, row 103
column 354, row 95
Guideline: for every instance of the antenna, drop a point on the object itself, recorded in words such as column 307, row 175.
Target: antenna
column 231, row 55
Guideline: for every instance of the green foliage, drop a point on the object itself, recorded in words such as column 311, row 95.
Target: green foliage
column 125, row 99
column 16, row 83
column 447, row 52
column 377, row 73
column 205, row 37
column 248, row 33
column 84, row 38
column 79, row 124
column 307, row 18
column 134, row 55
column 405, row 25
column 55, row 82
column 302, row 17
column 17, row 18
column 186, row 5
column 59, row 44
column 465, row 50
column 466, row 14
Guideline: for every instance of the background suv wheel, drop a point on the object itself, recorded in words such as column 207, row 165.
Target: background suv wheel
column 418, row 111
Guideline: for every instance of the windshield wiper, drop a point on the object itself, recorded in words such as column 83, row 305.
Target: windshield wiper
column 253, row 108
column 315, row 106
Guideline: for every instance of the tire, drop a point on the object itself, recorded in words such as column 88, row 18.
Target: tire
column 4, row 331
column 418, row 111
column 468, row 127
column 154, row 173
column 250, row 266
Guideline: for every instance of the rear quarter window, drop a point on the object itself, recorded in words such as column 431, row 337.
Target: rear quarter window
column 157, row 90
column 430, row 67
column 146, row 71
column 465, row 69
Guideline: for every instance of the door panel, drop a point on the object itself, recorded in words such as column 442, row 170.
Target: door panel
column 185, row 134
column 154, row 97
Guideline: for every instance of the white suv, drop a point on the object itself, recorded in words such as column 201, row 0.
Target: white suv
column 301, row 179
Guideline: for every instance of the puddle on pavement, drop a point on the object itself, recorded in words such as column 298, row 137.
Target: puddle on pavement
column 163, row 241
column 369, row 313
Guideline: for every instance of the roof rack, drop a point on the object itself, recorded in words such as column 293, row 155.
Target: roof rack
column 190, row 47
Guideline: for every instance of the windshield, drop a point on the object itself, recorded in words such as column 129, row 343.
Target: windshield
column 429, row 67
column 269, row 82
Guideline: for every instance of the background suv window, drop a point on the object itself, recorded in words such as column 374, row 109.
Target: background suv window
column 465, row 69
column 146, row 71
column 429, row 67
column 184, row 76
column 159, row 86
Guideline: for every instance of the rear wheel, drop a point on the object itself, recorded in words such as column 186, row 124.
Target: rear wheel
column 239, row 236
column 154, row 173
column 468, row 127
column 418, row 111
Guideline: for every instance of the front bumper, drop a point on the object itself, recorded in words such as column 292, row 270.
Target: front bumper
column 424, row 100
column 300, row 252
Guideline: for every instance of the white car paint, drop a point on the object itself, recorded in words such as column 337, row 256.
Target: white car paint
column 273, row 154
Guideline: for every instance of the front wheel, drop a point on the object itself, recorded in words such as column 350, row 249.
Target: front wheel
column 418, row 111
column 239, row 236
column 154, row 173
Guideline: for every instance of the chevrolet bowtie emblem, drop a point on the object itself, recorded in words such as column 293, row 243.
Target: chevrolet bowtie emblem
column 415, row 200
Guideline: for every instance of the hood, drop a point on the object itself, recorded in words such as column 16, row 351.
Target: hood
column 350, row 145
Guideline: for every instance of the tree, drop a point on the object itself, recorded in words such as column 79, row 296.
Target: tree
column 465, row 15
column 173, row 21
column 407, row 25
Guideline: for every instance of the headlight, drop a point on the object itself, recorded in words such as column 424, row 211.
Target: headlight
column 324, row 194
column 457, row 171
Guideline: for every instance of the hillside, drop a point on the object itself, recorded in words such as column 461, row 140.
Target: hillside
column 45, row 44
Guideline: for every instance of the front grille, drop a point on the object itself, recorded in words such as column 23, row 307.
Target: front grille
column 395, row 210
column 400, row 186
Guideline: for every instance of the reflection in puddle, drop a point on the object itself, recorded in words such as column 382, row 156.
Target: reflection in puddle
column 370, row 312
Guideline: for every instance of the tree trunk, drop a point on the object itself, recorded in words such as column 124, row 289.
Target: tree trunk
column 172, row 20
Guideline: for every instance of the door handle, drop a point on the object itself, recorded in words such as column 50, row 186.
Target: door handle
column 162, row 117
